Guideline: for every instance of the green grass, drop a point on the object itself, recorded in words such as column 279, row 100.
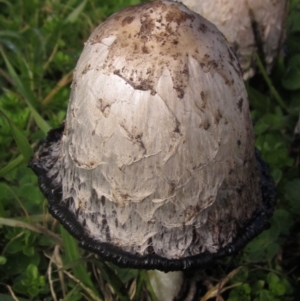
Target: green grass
column 40, row 42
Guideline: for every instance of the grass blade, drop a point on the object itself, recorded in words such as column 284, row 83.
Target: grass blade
column 109, row 275
column 65, row 80
column 268, row 81
column 9, row 34
column 22, row 143
column 139, row 287
column 11, row 222
column 71, row 293
column 27, row 94
column 11, row 165
column 73, row 16
column 10, row 298
column 149, row 286
column 72, row 254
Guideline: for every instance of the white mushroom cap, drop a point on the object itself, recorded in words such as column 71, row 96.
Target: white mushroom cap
column 248, row 25
column 156, row 163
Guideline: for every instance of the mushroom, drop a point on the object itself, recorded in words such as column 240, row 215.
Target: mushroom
column 155, row 165
column 248, row 25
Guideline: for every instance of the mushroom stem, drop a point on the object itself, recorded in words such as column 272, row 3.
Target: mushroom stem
column 166, row 286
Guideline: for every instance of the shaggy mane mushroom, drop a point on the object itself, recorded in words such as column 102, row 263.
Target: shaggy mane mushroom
column 155, row 165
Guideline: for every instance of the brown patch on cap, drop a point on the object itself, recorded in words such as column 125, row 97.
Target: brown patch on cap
column 178, row 16
column 127, row 20
column 207, row 63
column 240, row 104
column 203, row 28
column 217, row 117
